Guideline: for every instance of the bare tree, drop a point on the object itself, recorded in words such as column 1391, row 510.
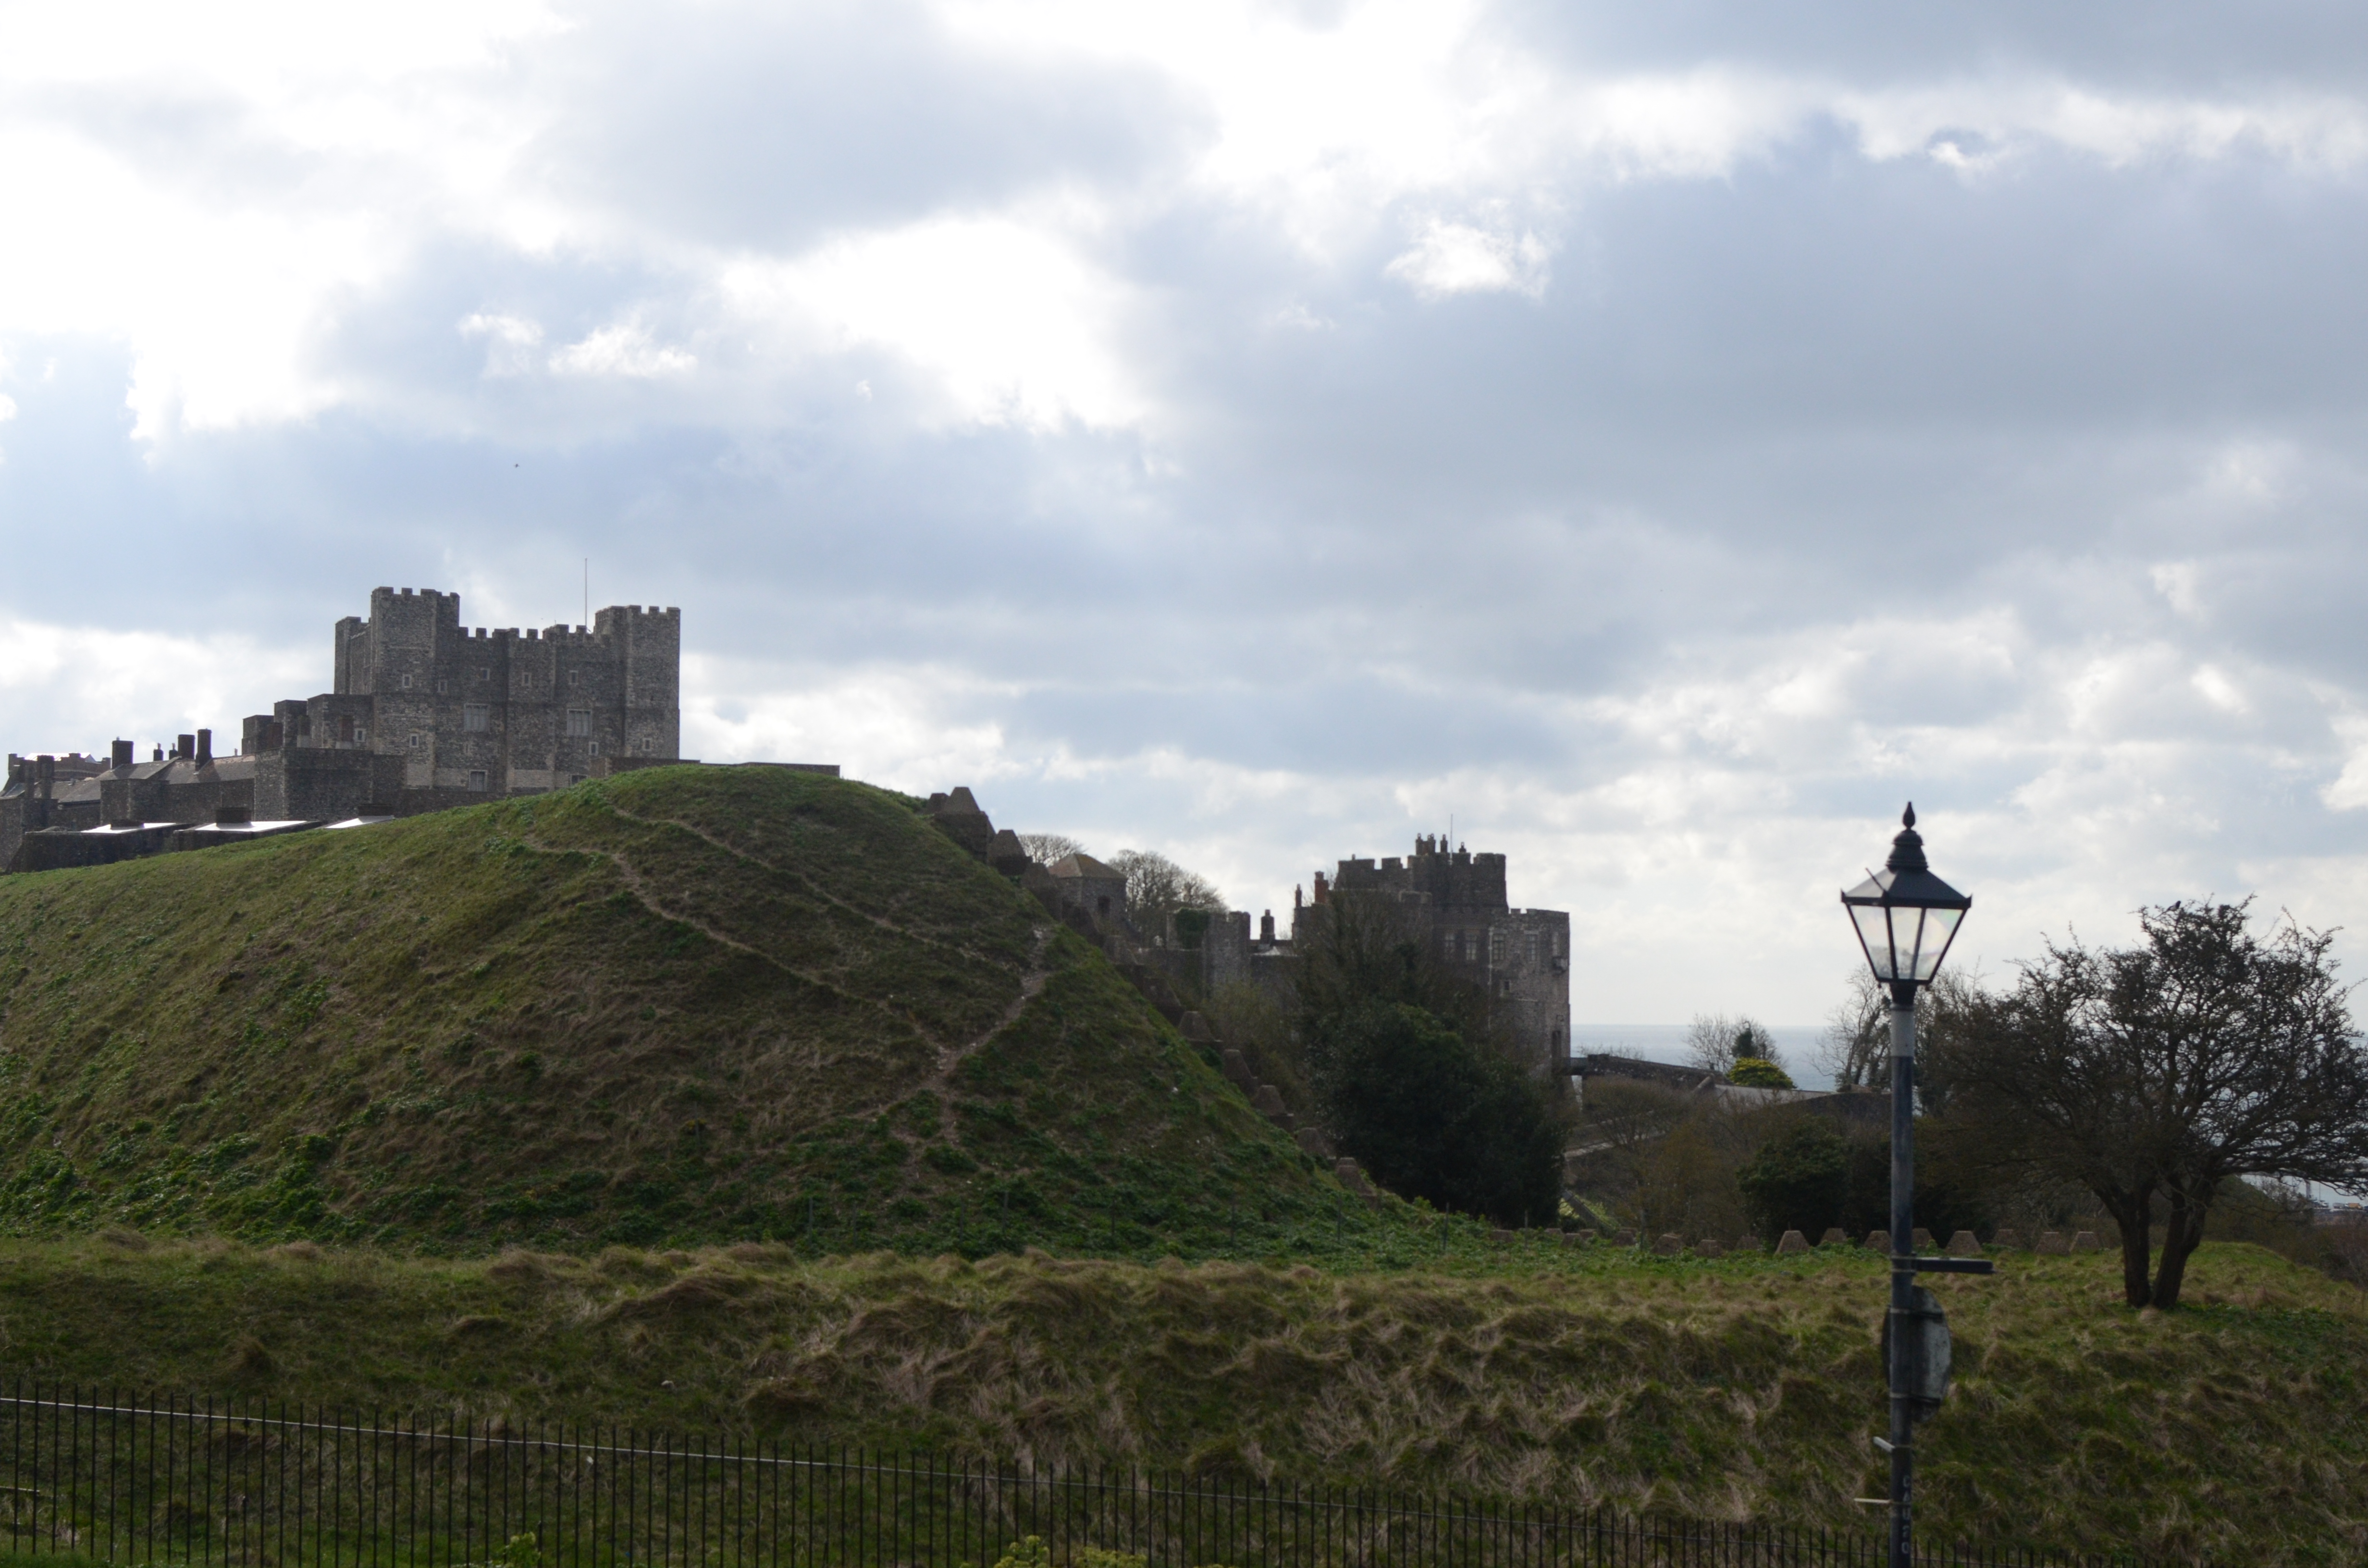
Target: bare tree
column 1858, row 1035
column 1855, row 1049
column 1716, row 1041
column 2160, row 1072
column 1157, row 887
column 1046, row 847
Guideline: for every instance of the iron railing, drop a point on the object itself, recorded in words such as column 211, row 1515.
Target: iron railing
column 261, row 1484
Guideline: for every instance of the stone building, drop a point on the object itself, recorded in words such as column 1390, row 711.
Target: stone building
column 1455, row 902
column 47, row 791
column 494, row 711
column 1084, row 882
column 423, row 713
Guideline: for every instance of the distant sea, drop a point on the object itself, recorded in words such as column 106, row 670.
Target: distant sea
column 1666, row 1042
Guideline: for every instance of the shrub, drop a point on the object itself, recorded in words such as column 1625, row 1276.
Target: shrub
column 1759, row 1073
column 1798, row 1181
column 1432, row 1117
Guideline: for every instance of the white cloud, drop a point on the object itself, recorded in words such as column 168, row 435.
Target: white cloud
column 623, row 349
column 905, row 727
column 1456, row 258
column 2024, row 109
column 320, row 153
column 207, row 186
column 510, row 342
column 2348, row 792
column 63, row 685
column 2180, row 583
column 1011, row 325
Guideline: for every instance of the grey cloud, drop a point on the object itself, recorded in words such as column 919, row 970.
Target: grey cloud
column 767, row 127
column 2170, row 48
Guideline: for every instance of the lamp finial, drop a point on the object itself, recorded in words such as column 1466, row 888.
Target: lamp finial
column 1907, row 848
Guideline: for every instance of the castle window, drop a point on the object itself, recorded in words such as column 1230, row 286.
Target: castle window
column 642, row 745
column 476, row 716
column 1533, row 948
column 579, row 723
column 1496, row 946
column 443, row 688
column 414, row 740
column 477, row 782
column 575, row 677
column 484, row 675
column 406, row 682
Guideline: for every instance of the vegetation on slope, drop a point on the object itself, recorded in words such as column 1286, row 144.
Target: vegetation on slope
column 2232, row 1430
column 684, row 1005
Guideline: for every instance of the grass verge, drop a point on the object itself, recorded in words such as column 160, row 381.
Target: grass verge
column 1743, row 1388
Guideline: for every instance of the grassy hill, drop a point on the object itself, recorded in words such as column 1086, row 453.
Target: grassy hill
column 2234, row 1430
column 744, row 1068
column 685, row 1006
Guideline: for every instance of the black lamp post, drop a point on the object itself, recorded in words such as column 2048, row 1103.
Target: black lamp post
column 1906, row 918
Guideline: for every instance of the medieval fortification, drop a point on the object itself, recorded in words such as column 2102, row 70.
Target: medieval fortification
column 424, row 713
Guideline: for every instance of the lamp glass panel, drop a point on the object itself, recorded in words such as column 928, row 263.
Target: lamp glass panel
column 1939, row 924
column 1907, row 929
column 1874, row 930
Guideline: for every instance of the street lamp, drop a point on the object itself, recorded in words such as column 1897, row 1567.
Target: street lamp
column 1906, row 918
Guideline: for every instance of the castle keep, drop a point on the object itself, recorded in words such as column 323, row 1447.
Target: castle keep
column 499, row 713
column 423, row 713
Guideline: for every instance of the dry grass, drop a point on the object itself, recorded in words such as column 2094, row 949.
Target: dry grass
column 1745, row 1388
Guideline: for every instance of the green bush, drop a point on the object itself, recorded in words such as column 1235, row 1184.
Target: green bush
column 1799, row 1180
column 1759, row 1073
column 1431, row 1117
column 1809, row 1178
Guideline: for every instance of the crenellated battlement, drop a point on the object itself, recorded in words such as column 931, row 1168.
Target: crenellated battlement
column 498, row 710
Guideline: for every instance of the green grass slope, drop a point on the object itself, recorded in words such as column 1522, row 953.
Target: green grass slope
column 685, row 1006
column 1746, row 1388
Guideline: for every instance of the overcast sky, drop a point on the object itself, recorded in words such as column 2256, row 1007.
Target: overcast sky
column 1663, row 438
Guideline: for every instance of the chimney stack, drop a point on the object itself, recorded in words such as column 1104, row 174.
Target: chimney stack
column 120, row 755
column 187, row 746
column 205, row 748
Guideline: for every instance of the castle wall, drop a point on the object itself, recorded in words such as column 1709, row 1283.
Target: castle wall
column 324, row 783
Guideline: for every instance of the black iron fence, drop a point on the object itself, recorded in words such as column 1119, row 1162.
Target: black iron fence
column 143, row 1481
